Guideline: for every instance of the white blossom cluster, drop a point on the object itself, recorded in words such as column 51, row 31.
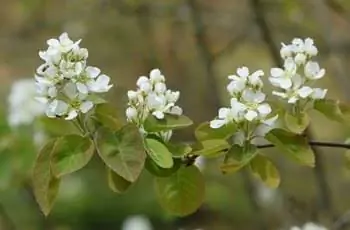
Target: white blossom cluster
column 65, row 82
column 151, row 98
column 23, row 108
column 299, row 71
column 247, row 102
column 309, row 226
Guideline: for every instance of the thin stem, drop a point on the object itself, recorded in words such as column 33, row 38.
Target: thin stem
column 314, row 143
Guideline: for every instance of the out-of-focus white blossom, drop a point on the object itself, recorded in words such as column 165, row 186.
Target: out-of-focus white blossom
column 152, row 98
column 247, row 105
column 23, row 108
column 65, row 81
column 309, row 226
column 137, row 223
column 299, row 71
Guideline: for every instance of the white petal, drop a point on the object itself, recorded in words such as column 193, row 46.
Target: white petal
column 156, row 76
column 158, row 114
column 264, row 109
column 243, row 71
column 142, row 80
column 72, row 114
column 70, row 90
column 86, row 106
column 237, row 106
column 176, row 110
column 215, row 124
column 305, row 91
column 285, row 83
column 160, row 87
column 319, row 93
column 131, row 113
column 82, row 88
column 223, row 113
column 292, row 100
column 280, row 94
column 92, row 72
column 276, row 72
column 251, row 115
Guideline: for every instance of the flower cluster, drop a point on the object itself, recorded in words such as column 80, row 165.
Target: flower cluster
column 65, row 82
column 309, row 226
column 23, row 108
column 247, row 103
column 151, row 98
column 298, row 71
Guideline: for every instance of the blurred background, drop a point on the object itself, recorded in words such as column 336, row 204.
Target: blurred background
column 196, row 44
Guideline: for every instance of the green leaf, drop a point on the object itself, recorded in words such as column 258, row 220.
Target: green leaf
column 108, row 116
column 159, row 153
column 45, row 185
column 293, row 145
column 183, row 192
column 58, row 126
column 334, row 110
column 169, row 122
column 117, row 183
column 211, row 148
column 205, row 132
column 72, row 152
column 179, row 150
column 265, row 170
column 122, row 151
column 238, row 157
column 297, row 123
column 154, row 169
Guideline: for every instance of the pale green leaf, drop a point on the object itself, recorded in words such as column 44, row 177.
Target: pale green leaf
column 297, row 123
column 159, row 153
column 334, row 110
column 122, row 151
column 72, row 153
column 293, row 145
column 58, row 126
column 183, row 192
column 237, row 157
column 179, row 150
column 155, row 170
column 205, row 132
column 169, row 122
column 45, row 185
column 117, row 183
column 265, row 170
column 108, row 116
column 211, row 148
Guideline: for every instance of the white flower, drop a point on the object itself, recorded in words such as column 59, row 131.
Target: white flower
column 309, row 47
column 101, row 84
column 298, row 71
column 156, row 76
column 319, row 93
column 226, row 115
column 65, row 81
column 286, row 51
column 300, row 59
column 23, row 108
column 152, row 98
column 312, row 71
column 131, row 113
column 248, row 105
